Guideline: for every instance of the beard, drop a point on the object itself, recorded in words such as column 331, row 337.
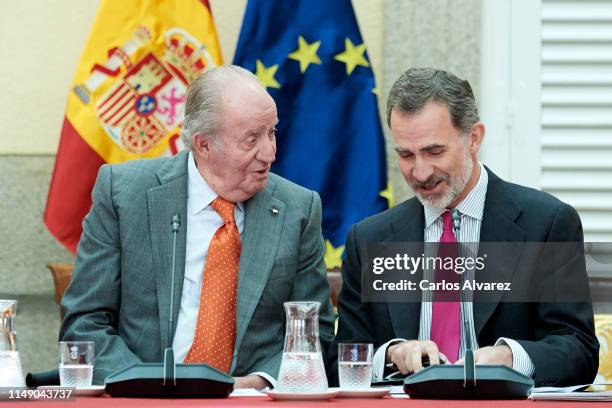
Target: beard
column 456, row 184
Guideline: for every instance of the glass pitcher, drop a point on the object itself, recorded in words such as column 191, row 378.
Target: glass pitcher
column 302, row 369
column 11, row 374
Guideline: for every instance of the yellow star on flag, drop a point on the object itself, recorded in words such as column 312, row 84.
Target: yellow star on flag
column 388, row 194
column 266, row 75
column 306, row 54
column 333, row 256
column 352, row 56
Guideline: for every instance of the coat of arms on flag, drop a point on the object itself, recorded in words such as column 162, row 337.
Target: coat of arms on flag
column 144, row 101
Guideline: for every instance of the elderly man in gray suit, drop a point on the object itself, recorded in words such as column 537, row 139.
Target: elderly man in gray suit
column 249, row 240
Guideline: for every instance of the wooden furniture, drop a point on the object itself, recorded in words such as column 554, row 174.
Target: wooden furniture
column 334, row 278
column 61, row 273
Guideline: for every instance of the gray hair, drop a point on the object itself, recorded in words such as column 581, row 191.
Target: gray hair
column 204, row 100
column 417, row 86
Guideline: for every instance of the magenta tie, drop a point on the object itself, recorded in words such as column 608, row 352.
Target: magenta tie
column 446, row 315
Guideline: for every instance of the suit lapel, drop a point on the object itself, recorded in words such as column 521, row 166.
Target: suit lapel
column 408, row 226
column 164, row 201
column 263, row 221
column 498, row 226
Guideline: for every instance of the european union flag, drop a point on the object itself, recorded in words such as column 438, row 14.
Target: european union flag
column 312, row 59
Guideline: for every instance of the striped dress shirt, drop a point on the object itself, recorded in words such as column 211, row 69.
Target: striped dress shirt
column 471, row 210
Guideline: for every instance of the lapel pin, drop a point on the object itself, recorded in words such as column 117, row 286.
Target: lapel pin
column 274, row 211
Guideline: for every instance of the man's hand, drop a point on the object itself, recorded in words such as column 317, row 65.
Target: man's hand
column 492, row 355
column 408, row 355
column 251, row 381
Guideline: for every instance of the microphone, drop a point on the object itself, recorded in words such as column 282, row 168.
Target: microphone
column 176, row 222
column 469, row 367
column 168, row 379
column 456, row 217
column 169, row 362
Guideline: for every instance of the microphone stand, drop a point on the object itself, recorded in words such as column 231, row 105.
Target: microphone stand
column 169, row 362
column 469, row 368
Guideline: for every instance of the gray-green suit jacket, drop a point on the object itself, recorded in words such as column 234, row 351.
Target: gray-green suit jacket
column 119, row 295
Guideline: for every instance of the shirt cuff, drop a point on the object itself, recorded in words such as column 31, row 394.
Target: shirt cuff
column 521, row 361
column 266, row 377
column 379, row 359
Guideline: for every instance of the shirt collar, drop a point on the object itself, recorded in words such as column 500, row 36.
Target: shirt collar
column 200, row 193
column 472, row 205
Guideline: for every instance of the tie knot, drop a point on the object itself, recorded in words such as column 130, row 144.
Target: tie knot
column 447, row 221
column 224, row 208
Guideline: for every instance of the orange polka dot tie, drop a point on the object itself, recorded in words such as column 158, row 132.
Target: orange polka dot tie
column 215, row 331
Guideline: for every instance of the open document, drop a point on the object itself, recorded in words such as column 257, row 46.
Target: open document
column 588, row 392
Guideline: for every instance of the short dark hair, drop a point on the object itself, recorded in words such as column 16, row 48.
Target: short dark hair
column 417, row 86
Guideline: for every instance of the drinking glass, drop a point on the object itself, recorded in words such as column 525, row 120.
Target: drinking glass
column 355, row 365
column 76, row 362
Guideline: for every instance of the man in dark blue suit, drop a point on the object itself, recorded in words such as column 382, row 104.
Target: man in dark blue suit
column 437, row 132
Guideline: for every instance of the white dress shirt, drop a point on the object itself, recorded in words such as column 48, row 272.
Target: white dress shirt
column 471, row 210
column 202, row 223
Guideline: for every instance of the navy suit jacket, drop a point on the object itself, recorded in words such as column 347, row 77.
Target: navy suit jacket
column 558, row 337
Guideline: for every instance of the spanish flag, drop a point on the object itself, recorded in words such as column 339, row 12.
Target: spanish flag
column 127, row 98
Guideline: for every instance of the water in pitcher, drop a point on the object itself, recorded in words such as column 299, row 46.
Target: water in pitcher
column 302, row 369
column 303, row 372
column 11, row 374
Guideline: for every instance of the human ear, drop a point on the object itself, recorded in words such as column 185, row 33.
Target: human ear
column 476, row 137
column 201, row 144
